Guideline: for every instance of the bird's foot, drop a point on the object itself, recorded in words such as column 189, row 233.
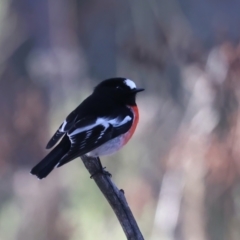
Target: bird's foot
column 105, row 172
column 101, row 171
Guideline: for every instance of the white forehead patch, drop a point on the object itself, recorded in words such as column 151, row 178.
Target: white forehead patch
column 130, row 83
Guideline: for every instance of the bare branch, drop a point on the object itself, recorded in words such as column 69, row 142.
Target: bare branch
column 116, row 199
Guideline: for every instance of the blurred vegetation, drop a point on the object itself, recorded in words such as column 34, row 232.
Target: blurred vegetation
column 180, row 172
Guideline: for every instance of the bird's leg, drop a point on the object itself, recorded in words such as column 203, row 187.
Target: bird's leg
column 102, row 170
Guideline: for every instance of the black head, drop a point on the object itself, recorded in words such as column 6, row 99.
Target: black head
column 122, row 90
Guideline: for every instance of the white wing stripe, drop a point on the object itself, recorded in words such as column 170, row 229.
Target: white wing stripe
column 88, row 134
column 102, row 121
column 83, row 129
column 125, row 120
column 63, row 126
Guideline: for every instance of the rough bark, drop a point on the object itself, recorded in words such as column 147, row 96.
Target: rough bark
column 115, row 197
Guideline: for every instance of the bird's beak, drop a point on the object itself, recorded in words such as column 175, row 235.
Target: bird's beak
column 136, row 90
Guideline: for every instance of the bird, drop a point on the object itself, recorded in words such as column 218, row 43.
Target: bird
column 101, row 125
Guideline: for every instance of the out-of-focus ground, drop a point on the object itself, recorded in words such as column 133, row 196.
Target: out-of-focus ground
column 180, row 172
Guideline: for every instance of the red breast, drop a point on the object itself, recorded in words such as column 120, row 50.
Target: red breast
column 129, row 134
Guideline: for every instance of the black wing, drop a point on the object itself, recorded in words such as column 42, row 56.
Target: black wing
column 88, row 138
column 85, row 142
column 64, row 127
column 94, row 106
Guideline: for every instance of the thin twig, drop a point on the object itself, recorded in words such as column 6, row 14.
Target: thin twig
column 116, row 199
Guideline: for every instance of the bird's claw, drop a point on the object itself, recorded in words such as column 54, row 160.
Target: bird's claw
column 102, row 171
column 105, row 172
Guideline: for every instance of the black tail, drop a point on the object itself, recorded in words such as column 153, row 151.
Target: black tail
column 43, row 168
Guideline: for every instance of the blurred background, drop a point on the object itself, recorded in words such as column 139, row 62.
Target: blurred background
column 180, row 172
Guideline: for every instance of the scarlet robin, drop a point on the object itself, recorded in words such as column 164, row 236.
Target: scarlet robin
column 102, row 124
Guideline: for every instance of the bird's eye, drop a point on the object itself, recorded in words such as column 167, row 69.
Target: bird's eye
column 120, row 88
